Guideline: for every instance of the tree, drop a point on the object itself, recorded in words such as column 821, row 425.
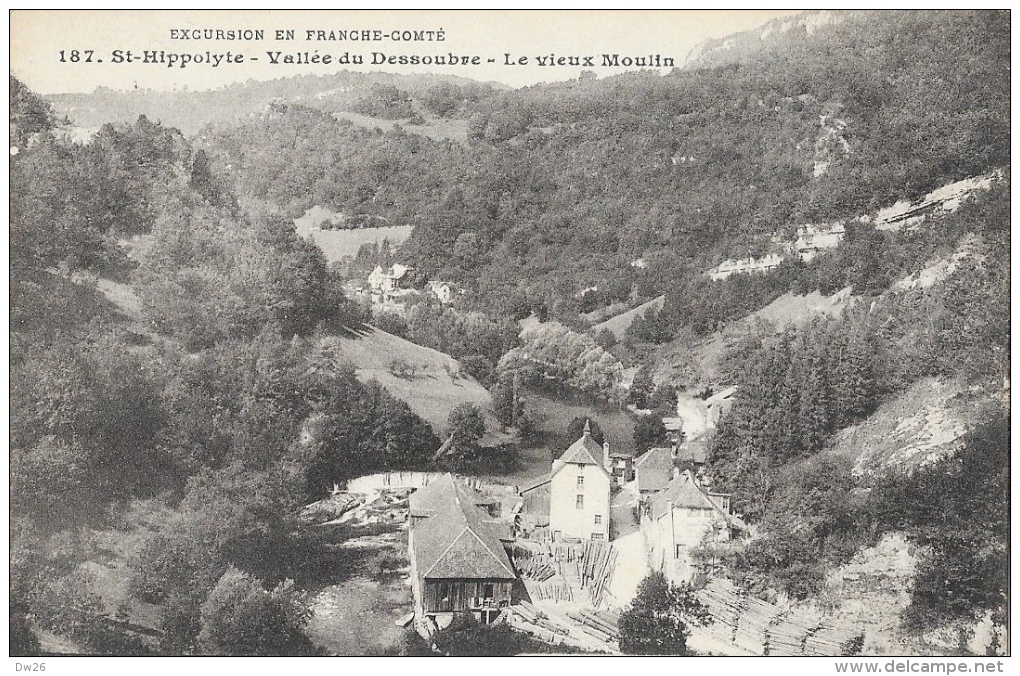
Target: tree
column 576, row 428
column 467, row 425
column 467, row 637
column 641, row 387
column 507, row 404
column 656, row 622
column 649, row 431
column 241, row 618
column 605, row 339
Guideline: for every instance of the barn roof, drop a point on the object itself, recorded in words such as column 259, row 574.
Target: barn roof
column 654, row 469
column 454, row 540
column 540, row 481
column 695, row 450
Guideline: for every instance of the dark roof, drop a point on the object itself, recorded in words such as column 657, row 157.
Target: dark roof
column 694, row 450
column 684, row 491
column 540, row 481
column 454, row 538
column 654, row 469
column 434, row 497
column 584, row 451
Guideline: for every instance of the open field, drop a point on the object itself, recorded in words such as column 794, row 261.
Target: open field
column 431, row 382
column 435, row 128
column 336, row 244
column 619, row 324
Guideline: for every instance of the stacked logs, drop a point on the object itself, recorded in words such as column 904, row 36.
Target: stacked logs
column 595, row 568
column 551, row 631
column 535, row 564
column 554, row 590
column 601, row 625
column 765, row 629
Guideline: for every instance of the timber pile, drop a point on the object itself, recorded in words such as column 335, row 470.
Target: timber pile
column 552, row 638
column 598, row 624
column 766, row 629
column 553, row 590
column 595, row 567
column 534, row 564
column 533, row 615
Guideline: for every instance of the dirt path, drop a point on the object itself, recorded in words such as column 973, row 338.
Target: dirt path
column 631, row 561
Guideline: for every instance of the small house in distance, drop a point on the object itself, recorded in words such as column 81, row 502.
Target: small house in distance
column 384, row 283
column 458, row 561
column 621, row 466
column 444, row 292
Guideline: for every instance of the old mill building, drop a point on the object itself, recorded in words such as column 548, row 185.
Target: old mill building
column 458, row 562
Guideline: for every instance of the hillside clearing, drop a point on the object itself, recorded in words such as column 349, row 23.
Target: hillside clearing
column 920, row 426
column 338, row 244
column 431, row 382
column 435, row 128
column 619, row 324
column 676, row 358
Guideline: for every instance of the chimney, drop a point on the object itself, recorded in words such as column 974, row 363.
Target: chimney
column 587, row 428
column 605, row 457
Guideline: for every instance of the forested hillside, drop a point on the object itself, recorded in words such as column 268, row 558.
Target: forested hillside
column 192, row 439
column 187, row 425
column 564, row 185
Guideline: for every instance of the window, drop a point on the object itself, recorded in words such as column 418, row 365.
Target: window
column 596, row 536
column 488, row 591
column 680, row 551
column 598, row 519
column 580, row 481
column 580, row 502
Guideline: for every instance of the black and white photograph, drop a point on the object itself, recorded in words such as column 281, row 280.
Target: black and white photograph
column 490, row 333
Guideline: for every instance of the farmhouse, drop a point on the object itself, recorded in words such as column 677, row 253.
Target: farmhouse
column 385, row 282
column 718, row 404
column 621, row 466
column 458, row 561
column 681, row 517
column 572, row 501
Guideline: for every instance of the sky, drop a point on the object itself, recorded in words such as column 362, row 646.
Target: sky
column 98, row 39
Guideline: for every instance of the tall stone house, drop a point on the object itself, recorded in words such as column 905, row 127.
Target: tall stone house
column 579, row 490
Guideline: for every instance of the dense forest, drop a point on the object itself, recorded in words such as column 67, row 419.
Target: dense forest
column 211, row 415
column 561, row 187
column 202, row 413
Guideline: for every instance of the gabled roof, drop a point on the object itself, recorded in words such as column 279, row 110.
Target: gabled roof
column 453, row 539
column 654, row 469
column 684, row 491
column 721, row 395
column 584, row 451
column 695, row 450
column 540, row 481
column 435, row 497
